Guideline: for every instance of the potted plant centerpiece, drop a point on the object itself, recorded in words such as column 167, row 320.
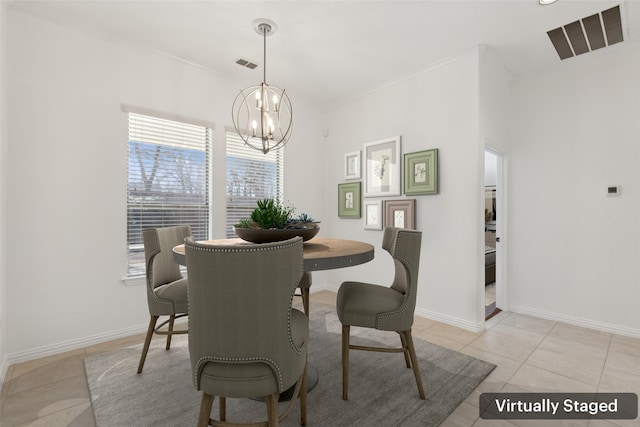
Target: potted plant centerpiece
column 272, row 222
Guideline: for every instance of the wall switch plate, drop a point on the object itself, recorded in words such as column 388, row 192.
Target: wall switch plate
column 613, row 190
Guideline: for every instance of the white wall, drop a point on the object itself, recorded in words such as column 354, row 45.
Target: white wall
column 495, row 89
column 3, row 187
column 574, row 250
column 435, row 109
column 67, row 177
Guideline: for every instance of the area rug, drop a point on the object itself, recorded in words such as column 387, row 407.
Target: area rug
column 382, row 391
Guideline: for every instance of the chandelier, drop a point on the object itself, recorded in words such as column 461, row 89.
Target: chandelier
column 262, row 114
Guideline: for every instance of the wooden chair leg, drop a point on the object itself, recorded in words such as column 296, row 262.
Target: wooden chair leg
column 205, row 410
column 414, row 362
column 223, row 408
column 272, row 410
column 171, row 320
column 305, row 300
column 406, row 350
column 147, row 342
column 345, row 361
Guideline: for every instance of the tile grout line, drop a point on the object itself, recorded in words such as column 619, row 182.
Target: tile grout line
column 556, row 324
column 604, row 363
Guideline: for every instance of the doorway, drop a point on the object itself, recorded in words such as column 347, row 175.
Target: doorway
column 493, row 186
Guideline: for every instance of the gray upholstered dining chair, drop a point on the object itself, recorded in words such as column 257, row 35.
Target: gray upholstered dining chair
column 166, row 288
column 384, row 308
column 245, row 339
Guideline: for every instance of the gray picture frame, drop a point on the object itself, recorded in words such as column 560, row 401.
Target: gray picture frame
column 400, row 213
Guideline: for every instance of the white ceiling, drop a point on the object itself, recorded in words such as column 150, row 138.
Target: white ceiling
column 329, row 51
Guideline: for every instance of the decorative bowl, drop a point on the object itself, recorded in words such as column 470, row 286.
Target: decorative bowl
column 262, row 235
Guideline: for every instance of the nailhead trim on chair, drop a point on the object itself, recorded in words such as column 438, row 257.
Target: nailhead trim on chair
column 293, row 345
column 200, row 361
column 238, row 249
column 293, row 292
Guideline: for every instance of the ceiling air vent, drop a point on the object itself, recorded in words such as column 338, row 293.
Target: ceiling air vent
column 246, row 63
column 588, row 34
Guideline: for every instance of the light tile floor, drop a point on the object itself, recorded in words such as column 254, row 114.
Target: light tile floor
column 531, row 354
column 490, row 294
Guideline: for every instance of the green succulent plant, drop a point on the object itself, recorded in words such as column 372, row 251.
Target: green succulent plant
column 303, row 217
column 273, row 214
column 244, row 223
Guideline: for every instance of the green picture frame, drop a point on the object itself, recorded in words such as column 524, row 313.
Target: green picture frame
column 349, row 200
column 421, row 172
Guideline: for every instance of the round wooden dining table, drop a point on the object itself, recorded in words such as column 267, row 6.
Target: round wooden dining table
column 319, row 253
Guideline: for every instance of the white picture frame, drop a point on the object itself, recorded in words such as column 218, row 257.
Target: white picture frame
column 352, row 165
column 373, row 215
column 382, row 167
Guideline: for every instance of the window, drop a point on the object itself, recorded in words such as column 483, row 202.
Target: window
column 168, row 180
column 251, row 176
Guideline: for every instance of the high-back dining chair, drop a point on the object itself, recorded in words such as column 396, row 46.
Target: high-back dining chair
column 166, row 288
column 384, row 308
column 245, row 339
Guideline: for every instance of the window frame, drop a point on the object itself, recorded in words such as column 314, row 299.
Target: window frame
column 203, row 142
column 235, row 147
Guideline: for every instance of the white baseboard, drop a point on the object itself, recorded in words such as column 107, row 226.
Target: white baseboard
column 49, row 350
column 75, row 344
column 570, row 320
column 318, row 288
column 453, row 321
column 576, row 321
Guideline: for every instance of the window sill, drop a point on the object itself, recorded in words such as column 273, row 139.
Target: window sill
column 135, row 280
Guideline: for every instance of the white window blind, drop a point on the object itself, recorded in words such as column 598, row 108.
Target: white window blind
column 251, row 176
column 168, row 180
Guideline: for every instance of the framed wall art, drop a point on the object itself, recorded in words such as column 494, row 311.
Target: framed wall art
column 400, row 213
column 421, row 172
column 352, row 164
column 382, row 167
column 373, row 215
column 349, row 200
